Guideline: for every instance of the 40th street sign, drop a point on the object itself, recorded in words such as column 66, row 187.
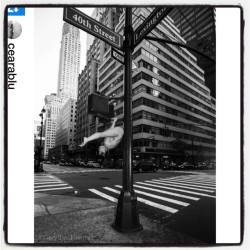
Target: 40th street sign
column 90, row 25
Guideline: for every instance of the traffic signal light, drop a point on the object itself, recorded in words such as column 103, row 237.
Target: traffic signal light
column 98, row 104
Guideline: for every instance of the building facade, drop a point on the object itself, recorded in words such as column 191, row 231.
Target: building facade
column 173, row 110
column 53, row 106
column 66, row 124
column 69, row 63
column 197, row 27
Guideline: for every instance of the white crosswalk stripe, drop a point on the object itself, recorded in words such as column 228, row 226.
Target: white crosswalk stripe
column 157, row 194
column 187, row 184
column 47, row 182
column 202, row 184
column 177, row 185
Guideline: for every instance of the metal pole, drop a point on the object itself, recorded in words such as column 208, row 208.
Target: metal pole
column 127, row 217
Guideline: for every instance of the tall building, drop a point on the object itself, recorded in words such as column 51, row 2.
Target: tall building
column 67, row 87
column 173, row 110
column 69, row 63
column 65, row 127
column 197, row 27
column 53, row 106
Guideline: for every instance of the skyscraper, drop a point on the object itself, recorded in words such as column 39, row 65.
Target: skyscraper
column 53, row 106
column 67, row 87
column 69, row 63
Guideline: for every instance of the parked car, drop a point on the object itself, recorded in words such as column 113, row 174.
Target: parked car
column 186, row 166
column 145, row 166
column 165, row 166
column 201, row 165
column 65, row 163
column 82, row 164
column 93, row 164
column 173, row 166
column 211, row 165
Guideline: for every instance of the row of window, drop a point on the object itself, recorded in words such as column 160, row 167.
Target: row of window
column 185, row 69
column 171, row 79
column 165, row 145
column 171, row 69
column 143, row 128
column 165, row 86
column 166, row 109
column 158, row 94
column 171, row 122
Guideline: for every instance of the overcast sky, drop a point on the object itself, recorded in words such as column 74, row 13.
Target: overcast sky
column 48, row 35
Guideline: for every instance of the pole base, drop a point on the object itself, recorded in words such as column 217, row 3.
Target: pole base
column 127, row 216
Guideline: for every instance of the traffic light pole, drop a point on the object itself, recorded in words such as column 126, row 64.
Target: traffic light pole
column 127, row 216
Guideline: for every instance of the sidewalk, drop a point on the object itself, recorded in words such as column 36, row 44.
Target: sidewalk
column 75, row 220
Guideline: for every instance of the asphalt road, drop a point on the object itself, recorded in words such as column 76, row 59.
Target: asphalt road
column 184, row 200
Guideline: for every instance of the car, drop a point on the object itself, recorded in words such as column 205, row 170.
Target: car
column 145, row 166
column 201, row 165
column 173, row 166
column 93, row 164
column 186, row 166
column 211, row 165
column 65, row 163
column 82, row 164
column 165, row 166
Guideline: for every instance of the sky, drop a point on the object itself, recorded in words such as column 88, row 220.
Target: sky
column 48, row 23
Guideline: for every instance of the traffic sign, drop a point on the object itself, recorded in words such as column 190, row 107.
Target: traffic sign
column 117, row 55
column 90, row 25
column 152, row 20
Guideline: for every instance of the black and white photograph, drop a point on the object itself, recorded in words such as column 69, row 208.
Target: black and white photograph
column 123, row 135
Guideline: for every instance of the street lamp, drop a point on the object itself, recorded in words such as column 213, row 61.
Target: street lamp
column 39, row 167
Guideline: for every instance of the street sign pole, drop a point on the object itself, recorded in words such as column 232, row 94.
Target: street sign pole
column 127, row 216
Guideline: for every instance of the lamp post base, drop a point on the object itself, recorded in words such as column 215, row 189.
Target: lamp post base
column 127, row 216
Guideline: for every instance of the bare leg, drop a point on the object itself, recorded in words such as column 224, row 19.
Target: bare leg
column 107, row 133
column 114, row 121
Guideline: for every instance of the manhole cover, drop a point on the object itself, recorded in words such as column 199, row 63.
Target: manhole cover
column 104, row 178
column 84, row 175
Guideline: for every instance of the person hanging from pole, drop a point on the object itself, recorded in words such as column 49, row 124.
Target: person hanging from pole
column 113, row 137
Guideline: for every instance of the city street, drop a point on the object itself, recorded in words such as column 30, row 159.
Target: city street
column 182, row 201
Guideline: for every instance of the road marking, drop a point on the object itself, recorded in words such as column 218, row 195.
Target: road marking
column 57, row 185
column 191, row 182
column 193, row 178
column 176, row 189
column 184, row 184
column 160, row 197
column 103, row 195
column 173, row 185
column 170, row 193
column 49, row 183
column 150, row 203
column 54, row 189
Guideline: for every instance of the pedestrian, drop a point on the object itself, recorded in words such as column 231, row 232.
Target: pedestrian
column 112, row 136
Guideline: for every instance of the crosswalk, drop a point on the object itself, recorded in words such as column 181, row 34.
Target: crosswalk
column 46, row 182
column 167, row 194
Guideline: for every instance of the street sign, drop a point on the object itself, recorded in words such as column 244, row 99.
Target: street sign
column 90, row 25
column 117, row 55
column 152, row 20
